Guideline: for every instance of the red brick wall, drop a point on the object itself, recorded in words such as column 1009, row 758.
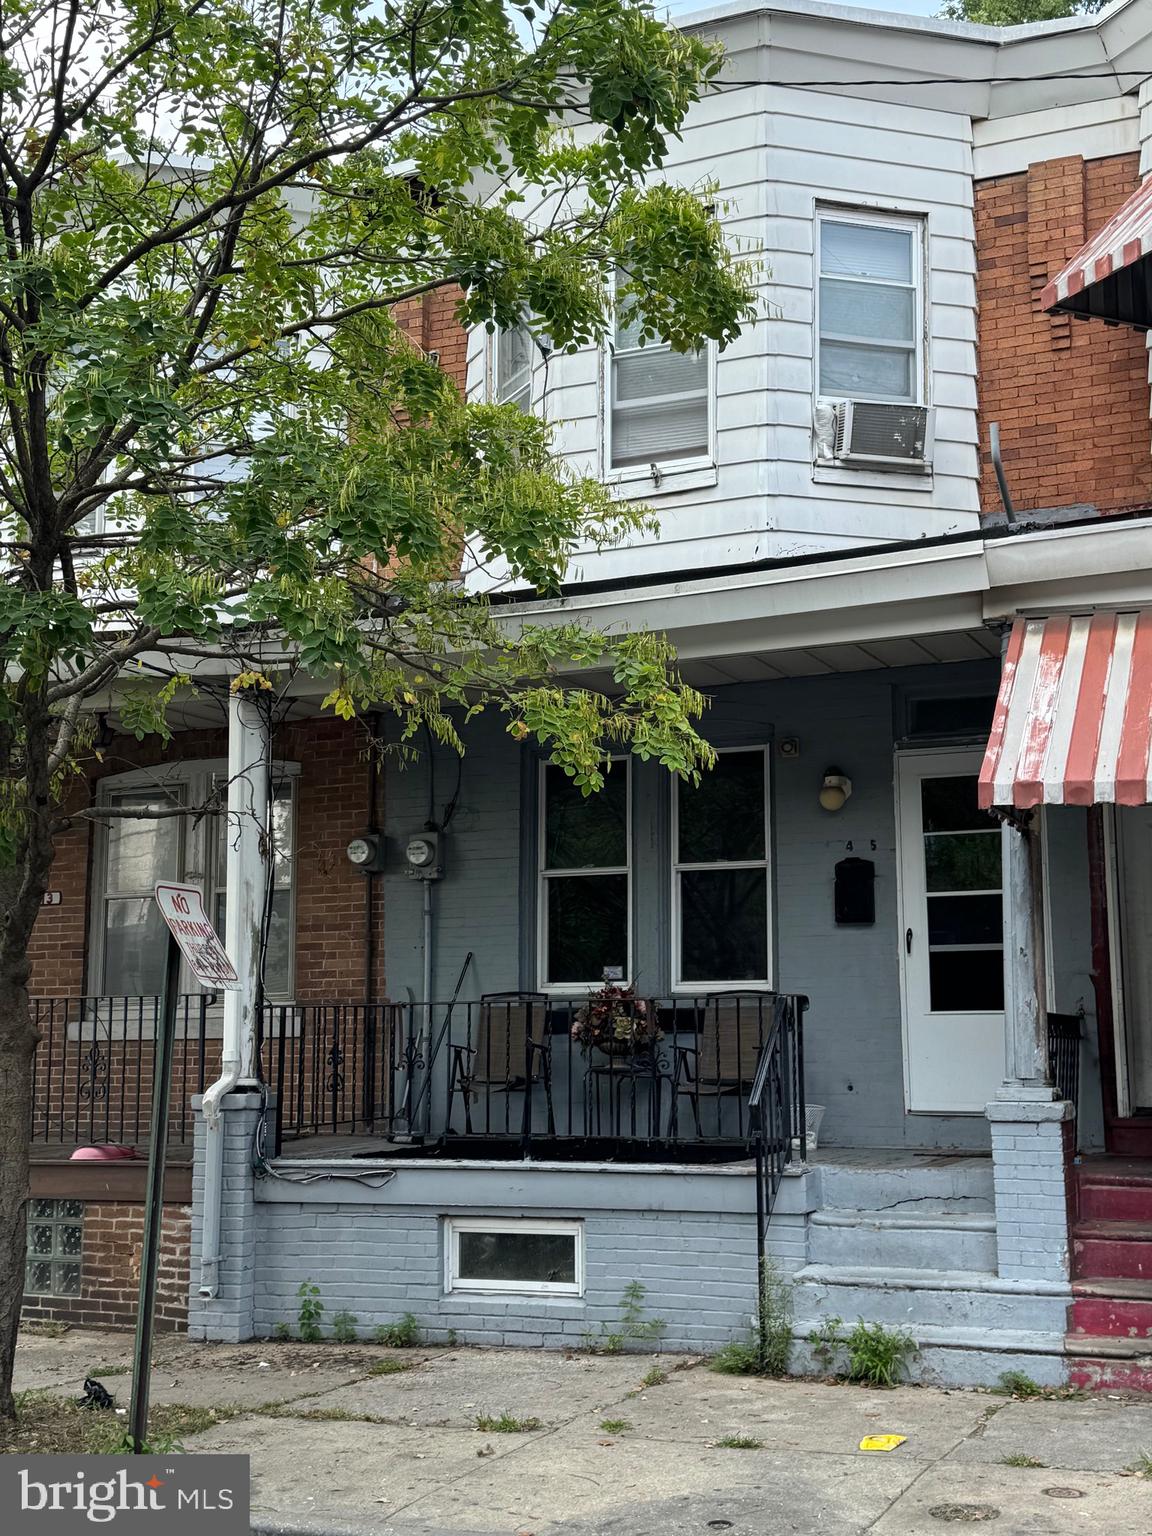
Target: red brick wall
column 332, row 806
column 110, row 1271
column 431, row 323
column 1071, row 396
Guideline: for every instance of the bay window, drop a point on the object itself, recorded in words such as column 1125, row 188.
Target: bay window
column 721, row 896
column 584, row 880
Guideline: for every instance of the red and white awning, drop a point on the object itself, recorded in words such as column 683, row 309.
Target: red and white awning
column 1103, row 278
column 1073, row 721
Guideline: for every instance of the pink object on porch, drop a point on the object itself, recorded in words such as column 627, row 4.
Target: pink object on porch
column 1073, row 720
column 107, row 1153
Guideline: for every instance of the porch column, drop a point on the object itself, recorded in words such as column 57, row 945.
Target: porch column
column 249, row 789
column 1027, row 1124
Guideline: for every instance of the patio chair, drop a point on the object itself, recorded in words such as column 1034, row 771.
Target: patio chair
column 728, row 1028
column 509, row 1052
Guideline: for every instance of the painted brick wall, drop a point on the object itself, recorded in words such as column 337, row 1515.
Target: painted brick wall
column 110, row 1270
column 332, row 806
column 1071, row 397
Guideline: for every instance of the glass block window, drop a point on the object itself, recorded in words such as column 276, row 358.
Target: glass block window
column 55, row 1247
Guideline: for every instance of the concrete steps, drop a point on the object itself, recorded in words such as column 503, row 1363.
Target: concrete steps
column 915, row 1299
column 908, row 1239
column 932, row 1183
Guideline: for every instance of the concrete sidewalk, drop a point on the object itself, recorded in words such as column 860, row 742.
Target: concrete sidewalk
column 596, row 1452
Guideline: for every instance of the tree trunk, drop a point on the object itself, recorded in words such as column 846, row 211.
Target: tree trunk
column 18, row 1038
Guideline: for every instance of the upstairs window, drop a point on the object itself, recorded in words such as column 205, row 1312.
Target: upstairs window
column 660, row 400
column 513, row 371
column 870, row 304
column 584, row 880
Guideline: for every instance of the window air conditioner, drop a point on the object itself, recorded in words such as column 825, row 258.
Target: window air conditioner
column 887, row 436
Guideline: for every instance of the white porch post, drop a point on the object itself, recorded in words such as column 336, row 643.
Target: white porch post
column 248, row 809
column 221, row 1304
column 1027, row 1123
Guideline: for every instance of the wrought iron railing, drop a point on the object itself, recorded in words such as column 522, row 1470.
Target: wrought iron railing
column 1064, row 1033
column 777, row 1108
column 511, row 1069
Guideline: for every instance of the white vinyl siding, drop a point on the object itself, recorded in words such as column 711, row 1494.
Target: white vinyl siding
column 870, row 303
column 660, row 401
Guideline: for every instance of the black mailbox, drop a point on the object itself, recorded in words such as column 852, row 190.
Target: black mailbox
column 855, row 897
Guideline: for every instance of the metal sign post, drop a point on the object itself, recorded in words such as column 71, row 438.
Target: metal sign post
column 192, row 936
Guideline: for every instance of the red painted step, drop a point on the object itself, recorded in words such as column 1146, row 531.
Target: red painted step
column 1114, row 1189
column 1094, row 1374
column 1121, row 1249
column 1103, row 1306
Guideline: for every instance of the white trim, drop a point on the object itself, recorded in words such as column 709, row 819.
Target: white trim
column 698, row 988
column 543, row 875
column 913, row 223
column 454, row 1285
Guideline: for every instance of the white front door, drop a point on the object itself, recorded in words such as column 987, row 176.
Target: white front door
column 951, row 938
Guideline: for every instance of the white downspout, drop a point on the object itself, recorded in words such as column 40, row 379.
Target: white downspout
column 248, row 811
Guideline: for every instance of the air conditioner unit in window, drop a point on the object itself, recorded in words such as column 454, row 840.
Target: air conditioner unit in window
column 884, row 435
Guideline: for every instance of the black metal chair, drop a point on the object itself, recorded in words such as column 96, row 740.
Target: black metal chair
column 729, row 1029
column 510, row 1052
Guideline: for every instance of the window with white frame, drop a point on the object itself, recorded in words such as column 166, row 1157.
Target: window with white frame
column 661, row 407
column 870, row 307
column 489, row 1254
column 584, row 879
column 512, row 368
column 721, row 896
column 137, row 851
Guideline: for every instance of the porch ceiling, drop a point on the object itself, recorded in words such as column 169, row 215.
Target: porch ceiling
column 821, row 660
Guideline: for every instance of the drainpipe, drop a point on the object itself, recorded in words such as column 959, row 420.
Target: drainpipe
column 248, row 809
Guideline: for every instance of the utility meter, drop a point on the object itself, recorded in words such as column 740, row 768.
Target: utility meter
column 423, row 855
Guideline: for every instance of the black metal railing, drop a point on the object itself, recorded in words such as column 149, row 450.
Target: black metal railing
column 92, row 1070
column 777, row 1108
column 1064, row 1032
column 514, row 1069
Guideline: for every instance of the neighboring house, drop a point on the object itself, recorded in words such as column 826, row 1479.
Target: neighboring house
column 840, row 576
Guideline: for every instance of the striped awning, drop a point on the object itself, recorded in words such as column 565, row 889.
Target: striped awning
column 1073, row 720
column 1108, row 278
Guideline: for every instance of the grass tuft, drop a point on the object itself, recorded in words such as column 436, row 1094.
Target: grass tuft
column 738, row 1443
column 1021, row 1459
column 505, row 1424
column 388, row 1367
column 616, row 1426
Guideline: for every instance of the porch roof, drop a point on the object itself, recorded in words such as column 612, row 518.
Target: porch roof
column 1073, row 719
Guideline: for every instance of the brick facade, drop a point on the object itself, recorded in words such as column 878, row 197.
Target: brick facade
column 1037, row 373
column 110, row 1270
column 1071, row 397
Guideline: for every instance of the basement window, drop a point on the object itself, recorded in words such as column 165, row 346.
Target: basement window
column 542, row 1258
column 55, row 1243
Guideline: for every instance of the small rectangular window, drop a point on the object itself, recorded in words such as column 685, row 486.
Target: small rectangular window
column 721, row 873
column 513, row 370
column 140, row 850
column 870, row 302
column 584, row 879
column 544, row 1257
column 660, row 400
column 55, row 1248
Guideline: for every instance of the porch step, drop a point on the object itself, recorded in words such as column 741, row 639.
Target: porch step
column 1122, row 1249
column 932, row 1182
column 1100, row 1363
column 919, row 1298
column 1114, row 1189
column 934, row 1240
column 1103, row 1305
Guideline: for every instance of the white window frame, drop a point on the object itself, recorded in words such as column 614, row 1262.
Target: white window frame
column 188, row 782
column 671, row 470
column 543, row 875
column 455, row 1225
column 758, row 984
column 917, row 225
column 527, row 390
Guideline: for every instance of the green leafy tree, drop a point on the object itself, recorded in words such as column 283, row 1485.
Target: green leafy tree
column 216, row 443
column 1015, row 13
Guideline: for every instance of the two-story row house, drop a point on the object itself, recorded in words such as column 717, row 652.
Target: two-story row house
column 887, row 970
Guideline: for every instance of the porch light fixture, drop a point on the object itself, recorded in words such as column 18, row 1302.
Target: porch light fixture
column 835, row 789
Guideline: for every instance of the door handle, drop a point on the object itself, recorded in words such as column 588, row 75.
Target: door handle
column 908, row 941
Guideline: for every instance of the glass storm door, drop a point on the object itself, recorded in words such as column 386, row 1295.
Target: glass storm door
column 951, row 935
